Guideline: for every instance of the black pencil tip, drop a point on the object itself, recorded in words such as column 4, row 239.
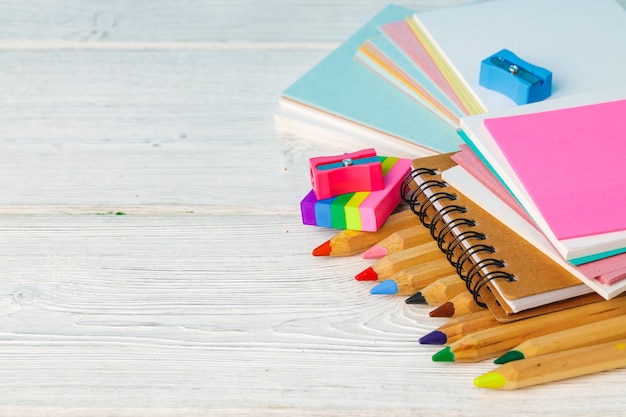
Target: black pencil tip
column 416, row 298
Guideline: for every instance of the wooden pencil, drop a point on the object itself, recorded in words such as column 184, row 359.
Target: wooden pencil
column 454, row 329
column 385, row 267
column 493, row 342
column 579, row 336
column 351, row 242
column 461, row 304
column 556, row 366
column 439, row 291
column 414, row 278
column 397, row 241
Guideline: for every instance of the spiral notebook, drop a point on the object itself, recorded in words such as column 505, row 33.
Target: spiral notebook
column 504, row 272
column 602, row 276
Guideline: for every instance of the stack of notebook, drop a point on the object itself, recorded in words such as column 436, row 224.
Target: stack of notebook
column 407, row 78
column 540, row 182
column 342, row 98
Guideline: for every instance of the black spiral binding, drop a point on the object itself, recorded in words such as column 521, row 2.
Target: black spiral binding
column 458, row 240
column 406, row 187
column 411, row 195
column 476, row 287
column 465, row 259
column 458, row 251
column 439, row 233
column 430, row 203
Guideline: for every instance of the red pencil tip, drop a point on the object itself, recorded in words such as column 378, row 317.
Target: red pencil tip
column 323, row 250
column 367, row 275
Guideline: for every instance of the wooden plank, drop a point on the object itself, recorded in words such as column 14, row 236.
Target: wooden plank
column 93, row 131
column 157, row 96
column 139, row 311
column 116, row 305
column 119, row 130
column 189, row 20
column 162, row 312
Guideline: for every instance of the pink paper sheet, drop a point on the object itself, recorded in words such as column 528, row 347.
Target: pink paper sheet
column 571, row 162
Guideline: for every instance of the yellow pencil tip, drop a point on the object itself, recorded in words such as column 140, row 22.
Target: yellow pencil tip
column 490, row 380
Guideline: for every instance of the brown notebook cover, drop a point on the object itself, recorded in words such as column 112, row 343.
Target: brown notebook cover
column 503, row 271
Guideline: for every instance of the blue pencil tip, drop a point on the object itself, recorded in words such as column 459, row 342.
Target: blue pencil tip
column 388, row 286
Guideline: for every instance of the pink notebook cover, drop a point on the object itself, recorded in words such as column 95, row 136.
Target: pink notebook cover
column 572, row 164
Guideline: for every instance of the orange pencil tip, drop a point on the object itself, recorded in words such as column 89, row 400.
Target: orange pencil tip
column 323, row 250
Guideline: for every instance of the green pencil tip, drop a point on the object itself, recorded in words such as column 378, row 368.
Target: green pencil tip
column 512, row 355
column 444, row 355
column 490, row 380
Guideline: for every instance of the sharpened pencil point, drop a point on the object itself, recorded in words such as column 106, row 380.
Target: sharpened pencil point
column 375, row 252
column 490, row 380
column 444, row 310
column 434, row 338
column 323, row 250
column 388, row 286
column 416, row 298
column 444, row 355
column 367, row 275
column 510, row 356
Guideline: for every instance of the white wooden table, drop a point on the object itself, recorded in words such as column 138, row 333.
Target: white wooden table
column 152, row 258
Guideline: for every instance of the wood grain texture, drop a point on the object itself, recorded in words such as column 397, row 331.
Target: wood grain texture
column 152, row 258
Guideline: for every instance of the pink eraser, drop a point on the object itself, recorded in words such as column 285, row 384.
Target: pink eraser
column 346, row 173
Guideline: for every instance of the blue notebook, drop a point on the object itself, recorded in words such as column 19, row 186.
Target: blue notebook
column 341, row 87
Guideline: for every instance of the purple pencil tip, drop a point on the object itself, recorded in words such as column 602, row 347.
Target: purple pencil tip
column 434, row 338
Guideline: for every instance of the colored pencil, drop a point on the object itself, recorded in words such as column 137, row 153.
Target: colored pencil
column 397, row 241
column 413, row 278
column 439, row 291
column 385, row 267
column 490, row 343
column 459, row 305
column 351, row 242
column 458, row 327
column 556, row 366
column 589, row 334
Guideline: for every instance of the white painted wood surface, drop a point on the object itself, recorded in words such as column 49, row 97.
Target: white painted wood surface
column 202, row 298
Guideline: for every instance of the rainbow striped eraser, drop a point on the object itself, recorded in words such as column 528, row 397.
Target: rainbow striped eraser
column 363, row 210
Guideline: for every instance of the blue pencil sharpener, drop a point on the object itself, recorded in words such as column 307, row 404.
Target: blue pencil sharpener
column 519, row 80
